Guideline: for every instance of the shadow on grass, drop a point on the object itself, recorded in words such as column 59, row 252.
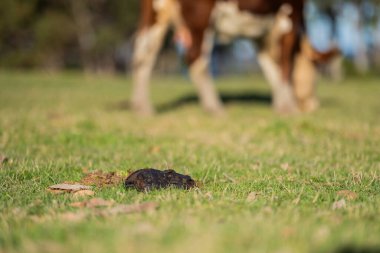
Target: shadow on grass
column 352, row 249
column 246, row 98
column 239, row 98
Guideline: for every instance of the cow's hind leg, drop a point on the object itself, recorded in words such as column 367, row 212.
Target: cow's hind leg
column 304, row 77
column 199, row 57
column 147, row 46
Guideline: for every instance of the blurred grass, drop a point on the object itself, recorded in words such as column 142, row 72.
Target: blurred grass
column 53, row 126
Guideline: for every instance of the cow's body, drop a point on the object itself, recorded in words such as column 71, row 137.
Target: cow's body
column 285, row 57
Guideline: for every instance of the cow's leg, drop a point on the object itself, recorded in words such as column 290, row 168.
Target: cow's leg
column 284, row 100
column 147, row 46
column 304, row 77
column 276, row 61
column 282, row 94
column 199, row 59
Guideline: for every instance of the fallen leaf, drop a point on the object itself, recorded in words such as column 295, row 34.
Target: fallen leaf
column 339, row 204
column 54, row 191
column 267, row 210
column 255, row 166
column 288, row 232
column 55, row 115
column 285, row 166
column 77, row 204
column 98, row 202
column 73, row 216
column 127, row 209
column 69, row 187
column 100, row 178
column 155, row 150
column 209, row 195
column 83, row 193
column 144, row 228
column 252, row 196
column 93, row 203
column 85, row 170
column 3, row 159
column 348, row 195
column 321, row 234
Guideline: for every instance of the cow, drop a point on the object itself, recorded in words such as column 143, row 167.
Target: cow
column 278, row 26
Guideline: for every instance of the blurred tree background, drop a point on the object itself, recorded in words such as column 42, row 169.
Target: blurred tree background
column 57, row 34
column 96, row 35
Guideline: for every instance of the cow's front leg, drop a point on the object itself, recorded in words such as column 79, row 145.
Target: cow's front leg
column 283, row 99
column 199, row 58
column 147, row 46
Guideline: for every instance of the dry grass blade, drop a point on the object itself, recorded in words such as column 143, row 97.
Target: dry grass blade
column 229, row 178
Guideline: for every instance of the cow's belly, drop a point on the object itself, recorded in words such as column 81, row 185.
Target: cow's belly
column 230, row 22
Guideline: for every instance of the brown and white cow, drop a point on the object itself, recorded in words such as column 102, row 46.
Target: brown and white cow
column 286, row 57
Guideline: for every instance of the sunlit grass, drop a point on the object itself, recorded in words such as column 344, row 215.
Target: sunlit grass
column 53, row 126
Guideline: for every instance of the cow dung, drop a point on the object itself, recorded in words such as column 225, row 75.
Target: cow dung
column 149, row 179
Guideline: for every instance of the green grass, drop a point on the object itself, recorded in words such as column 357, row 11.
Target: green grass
column 53, row 126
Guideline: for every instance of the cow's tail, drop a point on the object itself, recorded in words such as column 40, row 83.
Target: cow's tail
column 316, row 56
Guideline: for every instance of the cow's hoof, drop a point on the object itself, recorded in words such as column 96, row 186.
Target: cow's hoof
column 142, row 110
column 287, row 109
column 217, row 111
column 284, row 102
column 212, row 105
column 310, row 105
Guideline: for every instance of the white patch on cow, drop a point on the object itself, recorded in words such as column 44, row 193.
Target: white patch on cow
column 281, row 26
column 199, row 73
column 167, row 11
column 283, row 21
column 284, row 24
column 282, row 93
column 159, row 4
column 230, row 22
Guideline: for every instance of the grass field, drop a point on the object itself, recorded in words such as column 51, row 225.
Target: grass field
column 54, row 126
